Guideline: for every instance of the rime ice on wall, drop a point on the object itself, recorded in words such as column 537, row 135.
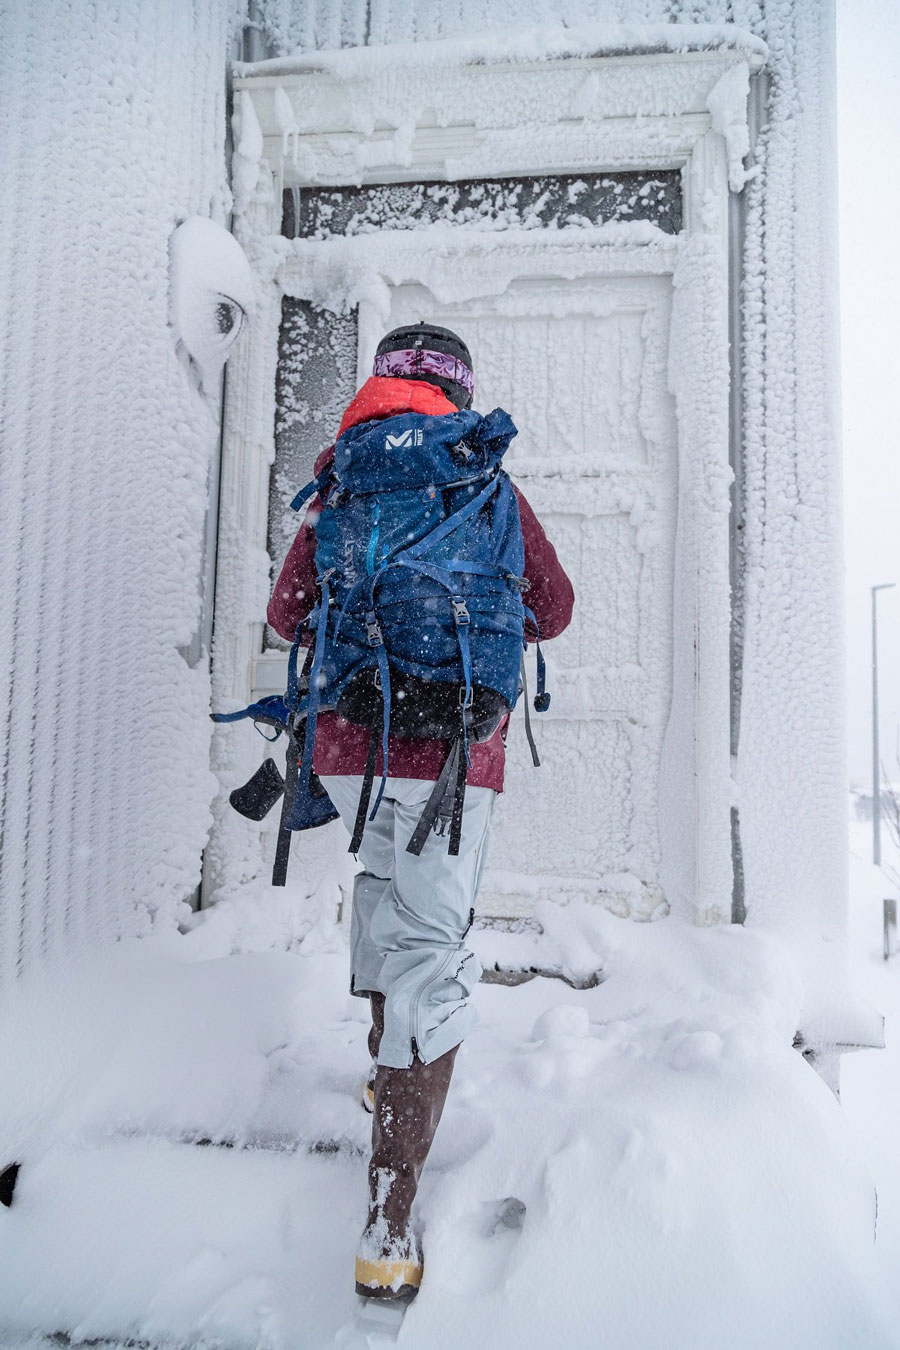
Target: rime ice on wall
column 791, row 769
column 114, row 132
column 304, row 25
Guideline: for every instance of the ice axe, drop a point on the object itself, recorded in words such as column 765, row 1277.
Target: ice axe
column 305, row 806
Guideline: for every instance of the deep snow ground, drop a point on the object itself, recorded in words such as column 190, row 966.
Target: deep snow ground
column 688, row 1180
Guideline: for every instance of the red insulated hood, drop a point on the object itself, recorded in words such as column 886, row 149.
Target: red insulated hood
column 388, row 396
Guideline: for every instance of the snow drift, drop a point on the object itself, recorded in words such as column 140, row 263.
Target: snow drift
column 687, row 1179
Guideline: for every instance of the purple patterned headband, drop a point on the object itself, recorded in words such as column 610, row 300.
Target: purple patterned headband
column 417, row 361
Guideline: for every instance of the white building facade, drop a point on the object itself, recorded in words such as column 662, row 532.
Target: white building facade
column 628, row 212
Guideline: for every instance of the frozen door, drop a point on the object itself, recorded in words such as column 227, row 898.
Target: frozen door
column 581, row 366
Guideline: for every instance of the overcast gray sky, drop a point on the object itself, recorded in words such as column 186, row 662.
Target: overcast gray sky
column 869, row 156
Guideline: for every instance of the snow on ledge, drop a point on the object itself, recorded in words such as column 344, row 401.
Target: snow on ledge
column 338, row 273
column 542, row 43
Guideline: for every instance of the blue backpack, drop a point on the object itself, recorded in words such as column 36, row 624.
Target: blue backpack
column 419, row 627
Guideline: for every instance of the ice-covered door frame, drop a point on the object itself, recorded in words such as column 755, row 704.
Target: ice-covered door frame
column 370, row 116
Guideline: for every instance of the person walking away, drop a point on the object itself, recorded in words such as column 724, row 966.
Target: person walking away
column 411, row 911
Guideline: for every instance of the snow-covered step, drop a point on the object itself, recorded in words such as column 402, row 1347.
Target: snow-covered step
column 514, row 951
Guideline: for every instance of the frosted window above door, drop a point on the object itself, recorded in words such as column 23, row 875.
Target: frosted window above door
column 502, row 203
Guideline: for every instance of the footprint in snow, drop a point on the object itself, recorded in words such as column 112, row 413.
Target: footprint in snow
column 504, row 1216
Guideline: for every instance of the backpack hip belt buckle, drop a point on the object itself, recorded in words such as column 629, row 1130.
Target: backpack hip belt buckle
column 460, row 611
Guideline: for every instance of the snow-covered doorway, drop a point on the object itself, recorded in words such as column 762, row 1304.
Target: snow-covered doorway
column 569, row 218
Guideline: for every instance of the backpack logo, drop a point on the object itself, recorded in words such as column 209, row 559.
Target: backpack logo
column 405, row 441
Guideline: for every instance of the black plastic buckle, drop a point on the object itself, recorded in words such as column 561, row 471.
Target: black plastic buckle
column 373, row 631
column 460, row 611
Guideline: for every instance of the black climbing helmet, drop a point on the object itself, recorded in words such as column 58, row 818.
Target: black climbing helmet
column 423, row 351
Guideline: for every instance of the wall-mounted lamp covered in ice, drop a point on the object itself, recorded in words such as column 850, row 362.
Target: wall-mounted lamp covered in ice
column 211, row 291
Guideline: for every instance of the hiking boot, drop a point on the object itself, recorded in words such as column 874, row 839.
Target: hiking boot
column 408, row 1107
column 376, row 1003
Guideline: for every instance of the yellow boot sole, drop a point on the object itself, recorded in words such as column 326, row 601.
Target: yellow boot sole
column 387, row 1279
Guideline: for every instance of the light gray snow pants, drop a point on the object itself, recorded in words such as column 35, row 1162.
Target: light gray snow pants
column 411, row 915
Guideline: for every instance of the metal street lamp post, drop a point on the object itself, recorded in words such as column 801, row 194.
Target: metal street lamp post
column 876, row 762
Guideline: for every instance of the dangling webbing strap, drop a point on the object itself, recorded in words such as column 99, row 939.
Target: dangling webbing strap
column 315, row 693
column 444, row 788
column 373, row 631
column 292, row 693
column 459, row 798
column 462, row 619
column 535, row 757
column 291, row 779
column 366, row 790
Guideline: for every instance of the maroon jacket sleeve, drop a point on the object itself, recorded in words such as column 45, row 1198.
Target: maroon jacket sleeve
column 295, row 590
column 550, row 596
